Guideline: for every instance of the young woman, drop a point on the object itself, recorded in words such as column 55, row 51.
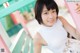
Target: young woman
column 54, row 28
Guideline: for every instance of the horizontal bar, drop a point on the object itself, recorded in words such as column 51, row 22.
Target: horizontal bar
column 14, row 7
column 3, row 1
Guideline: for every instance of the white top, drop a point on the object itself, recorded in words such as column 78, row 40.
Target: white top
column 55, row 36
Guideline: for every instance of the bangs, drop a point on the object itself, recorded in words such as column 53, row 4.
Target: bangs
column 50, row 5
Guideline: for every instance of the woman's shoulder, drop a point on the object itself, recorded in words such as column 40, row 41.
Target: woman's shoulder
column 38, row 39
column 37, row 36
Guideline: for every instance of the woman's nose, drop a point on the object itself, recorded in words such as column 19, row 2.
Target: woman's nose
column 50, row 16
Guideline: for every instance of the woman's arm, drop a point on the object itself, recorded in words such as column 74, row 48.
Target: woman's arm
column 38, row 42
column 37, row 47
column 70, row 29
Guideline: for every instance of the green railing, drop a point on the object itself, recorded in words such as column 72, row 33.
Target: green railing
column 23, row 44
column 21, row 5
column 3, row 1
column 14, row 7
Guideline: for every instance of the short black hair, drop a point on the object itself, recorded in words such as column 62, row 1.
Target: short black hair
column 50, row 4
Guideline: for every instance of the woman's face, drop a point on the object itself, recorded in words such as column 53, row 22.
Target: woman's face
column 48, row 16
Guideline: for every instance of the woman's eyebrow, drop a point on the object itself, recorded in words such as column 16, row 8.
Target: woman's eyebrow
column 54, row 10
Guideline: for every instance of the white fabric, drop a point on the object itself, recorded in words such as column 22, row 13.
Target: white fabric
column 55, row 36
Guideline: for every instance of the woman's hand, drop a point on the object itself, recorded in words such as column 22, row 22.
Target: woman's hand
column 78, row 8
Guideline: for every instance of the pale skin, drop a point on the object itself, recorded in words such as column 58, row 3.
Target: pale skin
column 49, row 18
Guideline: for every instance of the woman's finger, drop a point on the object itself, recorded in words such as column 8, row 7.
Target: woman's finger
column 78, row 8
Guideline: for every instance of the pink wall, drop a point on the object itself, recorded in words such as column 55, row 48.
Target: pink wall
column 3, row 46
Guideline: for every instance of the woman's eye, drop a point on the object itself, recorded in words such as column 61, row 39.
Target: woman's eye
column 46, row 13
column 53, row 11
